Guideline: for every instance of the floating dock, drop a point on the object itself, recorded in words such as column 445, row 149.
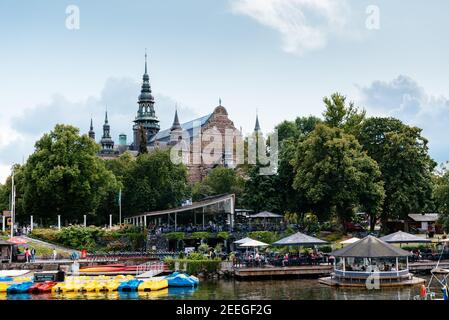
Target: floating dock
column 272, row 272
column 329, row 281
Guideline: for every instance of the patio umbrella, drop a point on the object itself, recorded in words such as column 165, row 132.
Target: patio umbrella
column 350, row 241
column 243, row 240
column 253, row 244
column 17, row 240
column 404, row 237
column 299, row 239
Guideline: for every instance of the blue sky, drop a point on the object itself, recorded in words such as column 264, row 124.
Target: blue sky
column 278, row 56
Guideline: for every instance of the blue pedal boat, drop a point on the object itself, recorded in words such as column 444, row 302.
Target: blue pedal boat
column 177, row 279
column 19, row 287
column 129, row 286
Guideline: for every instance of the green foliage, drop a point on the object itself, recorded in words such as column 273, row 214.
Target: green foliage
column 196, row 267
column 203, row 248
column 200, row 235
column 338, row 115
column 311, row 223
column 402, row 155
column 196, row 256
column 143, row 141
column 79, row 237
column 223, row 235
column 335, row 175
column 332, row 237
column 219, row 180
column 265, row 236
column 154, row 182
column 65, row 177
column 46, row 234
column 175, row 235
column 326, row 249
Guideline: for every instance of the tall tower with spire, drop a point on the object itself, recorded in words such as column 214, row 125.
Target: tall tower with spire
column 91, row 130
column 146, row 116
column 107, row 144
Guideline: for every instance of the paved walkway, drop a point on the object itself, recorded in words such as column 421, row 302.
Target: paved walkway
column 47, row 244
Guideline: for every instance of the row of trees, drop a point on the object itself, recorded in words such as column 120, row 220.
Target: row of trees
column 64, row 176
column 342, row 163
column 331, row 166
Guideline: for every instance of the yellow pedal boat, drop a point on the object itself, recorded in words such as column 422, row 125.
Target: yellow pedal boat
column 4, row 286
column 153, row 285
column 109, row 286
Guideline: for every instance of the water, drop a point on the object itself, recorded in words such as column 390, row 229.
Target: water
column 242, row 290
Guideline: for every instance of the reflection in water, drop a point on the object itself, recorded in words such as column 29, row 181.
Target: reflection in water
column 241, row 290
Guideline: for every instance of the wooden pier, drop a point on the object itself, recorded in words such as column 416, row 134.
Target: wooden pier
column 271, row 272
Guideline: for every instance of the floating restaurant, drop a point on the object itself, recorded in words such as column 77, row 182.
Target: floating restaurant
column 371, row 259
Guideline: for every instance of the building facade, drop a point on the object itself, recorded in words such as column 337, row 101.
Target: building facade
column 197, row 133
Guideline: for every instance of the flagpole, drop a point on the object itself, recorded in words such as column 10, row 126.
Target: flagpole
column 120, row 207
column 13, row 202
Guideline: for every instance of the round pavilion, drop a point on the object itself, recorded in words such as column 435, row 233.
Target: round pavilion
column 360, row 261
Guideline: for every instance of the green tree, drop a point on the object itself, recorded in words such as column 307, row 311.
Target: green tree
column 65, row 177
column 261, row 191
column 335, row 175
column 339, row 115
column 154, row 182
column 219, row 180
column 143, row 141
column 402, row 155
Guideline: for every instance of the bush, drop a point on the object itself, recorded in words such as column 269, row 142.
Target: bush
column 79, row 237
column 195, row 266
column 49, row 235
column 223, row 235
column 326, row 249
column 264, row 236
column 200, row 235
column 175, row 236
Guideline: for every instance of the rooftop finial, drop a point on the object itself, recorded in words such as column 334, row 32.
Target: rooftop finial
column 219, row 101
column 146, row 60
column 106, row 115
column 257, row 126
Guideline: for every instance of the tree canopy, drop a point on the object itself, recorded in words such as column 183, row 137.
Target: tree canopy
column 64, row 176
column 335, row 175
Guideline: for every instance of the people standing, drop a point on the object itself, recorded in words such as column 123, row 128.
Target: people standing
column 27, row 255
column 33, row 255
column 55, row 254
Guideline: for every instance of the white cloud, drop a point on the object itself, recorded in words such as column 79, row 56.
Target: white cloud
column 405, row 99
column 303, row 24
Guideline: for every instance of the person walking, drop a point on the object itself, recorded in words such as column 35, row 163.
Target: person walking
column 55, row 254
column 33, row 255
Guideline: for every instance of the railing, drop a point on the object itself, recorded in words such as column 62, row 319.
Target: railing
column 153, row 267
column 381, row 274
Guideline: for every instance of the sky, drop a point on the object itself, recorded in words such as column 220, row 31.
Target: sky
column 279, row 57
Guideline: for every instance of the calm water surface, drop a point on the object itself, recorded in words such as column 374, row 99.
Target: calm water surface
column 244, row 290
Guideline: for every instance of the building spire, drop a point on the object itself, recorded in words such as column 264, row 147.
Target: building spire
column 257, row 126
column 176, row 124
column 219, row 101
column 91, row 124
column 146, row 70
column 91, row 131
column 106, row 116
